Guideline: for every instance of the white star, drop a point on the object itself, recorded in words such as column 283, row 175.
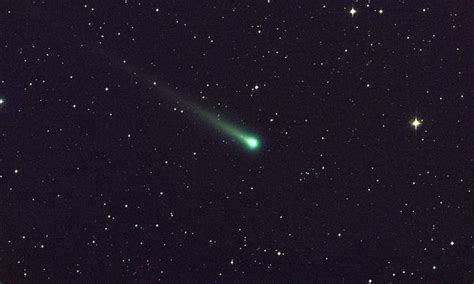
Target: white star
column 416, row 123
column 352, row 11
column 2, row 101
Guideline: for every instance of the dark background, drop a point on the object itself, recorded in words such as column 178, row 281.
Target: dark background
column 103, row 178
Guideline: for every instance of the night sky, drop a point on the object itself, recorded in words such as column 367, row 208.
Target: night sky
column 123, row 151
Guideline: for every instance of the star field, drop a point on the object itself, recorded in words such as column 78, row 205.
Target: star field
column 357, row 118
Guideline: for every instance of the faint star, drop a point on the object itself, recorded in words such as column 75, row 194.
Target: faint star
column 352, row 11
column 416, row 123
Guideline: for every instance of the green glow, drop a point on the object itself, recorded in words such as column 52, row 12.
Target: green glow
column 248, row 140
column 252, row 142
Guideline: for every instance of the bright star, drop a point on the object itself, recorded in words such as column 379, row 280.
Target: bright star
column 353, row 11
column 416, row 123
column 2, row 101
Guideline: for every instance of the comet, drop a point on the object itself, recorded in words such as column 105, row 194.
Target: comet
column 246, row 139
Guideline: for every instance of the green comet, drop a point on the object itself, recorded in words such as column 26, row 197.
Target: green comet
column 248, row 140
column 251, row 142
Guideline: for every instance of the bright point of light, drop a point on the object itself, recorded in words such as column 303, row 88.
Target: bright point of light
column 1, row 101
column 416, row 123
column 353, row 11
